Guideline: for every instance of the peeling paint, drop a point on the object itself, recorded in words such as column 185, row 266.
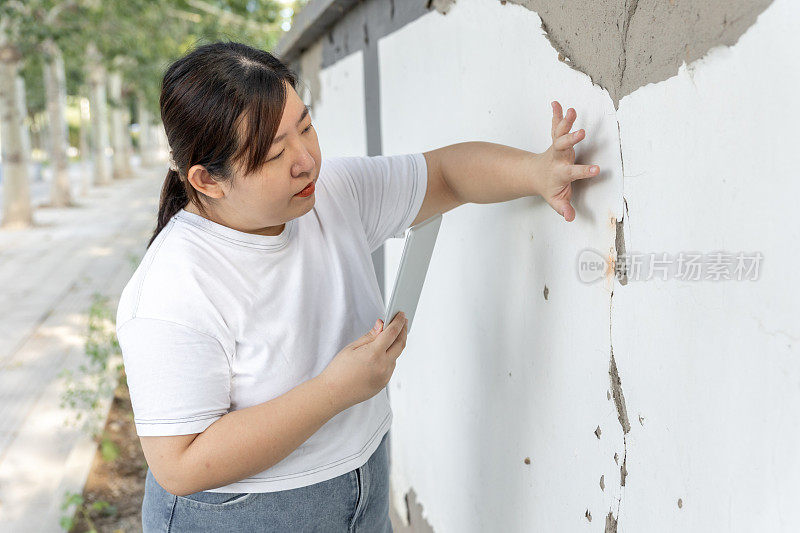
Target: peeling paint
column 625, row 44
column 546, row 292
column 623, row 470
column 588, row 515
column 622, row 413
column 680, row 503
column 603, row 482
column 620, row 264
column 616, row 392
column 611, row 523
column 597, row 432
column 442, row 6
column 414, row 517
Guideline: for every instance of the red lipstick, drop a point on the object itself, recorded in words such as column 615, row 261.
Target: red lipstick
column 308, row 191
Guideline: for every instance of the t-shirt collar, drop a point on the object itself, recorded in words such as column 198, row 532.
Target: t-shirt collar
column 252, row 240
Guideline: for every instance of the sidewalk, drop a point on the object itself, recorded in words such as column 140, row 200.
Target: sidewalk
column 48, row 274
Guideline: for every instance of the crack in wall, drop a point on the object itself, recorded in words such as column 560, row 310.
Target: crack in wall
column 622, row 416
column 621, row 265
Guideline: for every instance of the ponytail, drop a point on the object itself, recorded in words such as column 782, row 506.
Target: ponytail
column 173, row 199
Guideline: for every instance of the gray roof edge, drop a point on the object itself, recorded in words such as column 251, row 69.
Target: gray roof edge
column 311, row 22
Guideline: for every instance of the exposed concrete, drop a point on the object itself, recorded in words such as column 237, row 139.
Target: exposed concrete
column 611, row 523
column 622, row 416
column 442, row 6
column 620, row 262
column 620, row 44
column 413, row 511
column 625, row 44
column 616, row 393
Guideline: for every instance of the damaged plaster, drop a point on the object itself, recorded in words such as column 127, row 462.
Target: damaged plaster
column 624, row 422
column 625, row 44
column 416, row 522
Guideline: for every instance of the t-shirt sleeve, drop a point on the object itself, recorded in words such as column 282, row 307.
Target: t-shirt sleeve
column 389, row 191
column 178, row 377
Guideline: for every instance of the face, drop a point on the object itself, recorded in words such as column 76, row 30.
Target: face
column 263, row 201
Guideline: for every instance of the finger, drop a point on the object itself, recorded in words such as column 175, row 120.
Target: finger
column 390, row 332
column 569, row 140
column 556, row 118
column 566, row 123
column 579, row 172
column 566, row 211
column 399, row 343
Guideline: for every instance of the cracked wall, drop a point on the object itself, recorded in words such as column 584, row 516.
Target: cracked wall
column 625, row 44
column 513, row 402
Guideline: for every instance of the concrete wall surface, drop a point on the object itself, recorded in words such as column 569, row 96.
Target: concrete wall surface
column 532, row 396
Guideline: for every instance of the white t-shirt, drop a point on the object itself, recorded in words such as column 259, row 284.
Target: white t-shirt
column 214, row 319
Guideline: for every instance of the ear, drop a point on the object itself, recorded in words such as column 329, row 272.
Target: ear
column 202, row 181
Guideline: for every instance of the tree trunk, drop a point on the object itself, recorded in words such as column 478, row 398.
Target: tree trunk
column 17, row 211
column 147, row 147
column 23, row 113
column 117, row 126
column 56, row 90
column 99, row 115
column 127, row 141
column 86, row 156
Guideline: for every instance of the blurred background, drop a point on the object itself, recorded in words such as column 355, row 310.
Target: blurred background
column 637, row 369
column 83, row 158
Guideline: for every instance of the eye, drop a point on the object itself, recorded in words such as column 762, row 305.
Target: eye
column 280, row 154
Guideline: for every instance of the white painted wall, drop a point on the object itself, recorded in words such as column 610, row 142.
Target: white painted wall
column 494, row 373
column 338, row 113
column 713, row 366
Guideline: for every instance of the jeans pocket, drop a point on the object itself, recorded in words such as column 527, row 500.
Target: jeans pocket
column 216, row 500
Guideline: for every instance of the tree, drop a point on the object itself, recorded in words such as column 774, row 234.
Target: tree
column 17, row 210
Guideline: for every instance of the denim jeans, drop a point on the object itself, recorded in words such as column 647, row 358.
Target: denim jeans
column 355, row 502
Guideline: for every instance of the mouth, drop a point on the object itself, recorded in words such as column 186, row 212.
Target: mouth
column 308, row 190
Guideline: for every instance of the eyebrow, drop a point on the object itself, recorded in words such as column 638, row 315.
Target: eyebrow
column 279, row 138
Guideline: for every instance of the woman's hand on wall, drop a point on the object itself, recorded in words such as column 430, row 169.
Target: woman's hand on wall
column 559, row 168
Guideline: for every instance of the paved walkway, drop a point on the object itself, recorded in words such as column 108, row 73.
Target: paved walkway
column 48, row 275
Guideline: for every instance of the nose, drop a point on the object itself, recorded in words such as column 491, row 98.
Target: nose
column 304, row 162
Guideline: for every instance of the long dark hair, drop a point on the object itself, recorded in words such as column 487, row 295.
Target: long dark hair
column 221, row 105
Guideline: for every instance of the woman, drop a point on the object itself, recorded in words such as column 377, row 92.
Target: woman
column 255, row 408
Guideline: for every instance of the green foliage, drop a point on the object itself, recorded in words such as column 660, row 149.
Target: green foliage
column 74, row 505
column 138, row 37
column 109, row 450
column 98, row 375
column 133, row 260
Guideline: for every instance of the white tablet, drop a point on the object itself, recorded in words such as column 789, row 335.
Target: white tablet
column 414, row 262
